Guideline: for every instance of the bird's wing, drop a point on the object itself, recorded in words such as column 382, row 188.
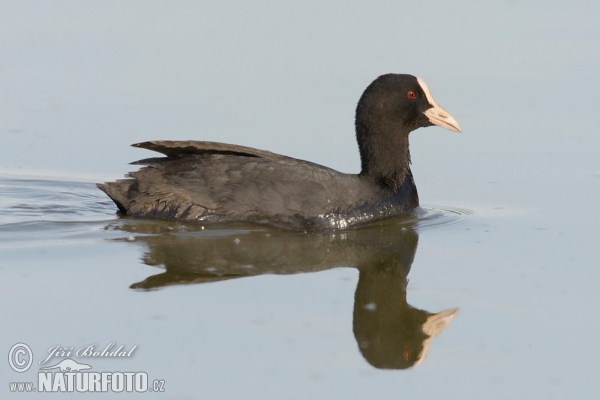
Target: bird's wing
column 180, row 147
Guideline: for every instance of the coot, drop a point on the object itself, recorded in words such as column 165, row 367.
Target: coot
column 210, row 182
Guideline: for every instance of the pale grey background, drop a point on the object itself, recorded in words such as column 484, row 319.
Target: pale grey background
column 80, row 81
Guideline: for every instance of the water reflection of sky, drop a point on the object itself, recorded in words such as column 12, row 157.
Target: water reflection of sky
column 80, row 82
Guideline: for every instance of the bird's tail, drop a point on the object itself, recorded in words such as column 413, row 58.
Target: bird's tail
column 117, row 191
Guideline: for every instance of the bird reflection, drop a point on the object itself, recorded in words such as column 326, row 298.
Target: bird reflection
column 391, row 334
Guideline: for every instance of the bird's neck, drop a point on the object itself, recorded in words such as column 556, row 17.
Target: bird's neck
column 385, row 155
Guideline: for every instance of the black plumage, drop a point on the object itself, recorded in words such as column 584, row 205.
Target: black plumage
column 216, row 182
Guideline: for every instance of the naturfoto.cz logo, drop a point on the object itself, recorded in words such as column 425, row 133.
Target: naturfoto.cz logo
column 69, row 375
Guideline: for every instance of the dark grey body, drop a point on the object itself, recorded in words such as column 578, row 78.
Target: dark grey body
column 215, row 182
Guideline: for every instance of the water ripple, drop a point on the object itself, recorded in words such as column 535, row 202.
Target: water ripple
column 438, row 216
column 26, row 200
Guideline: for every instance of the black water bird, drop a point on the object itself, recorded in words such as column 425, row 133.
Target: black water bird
column 212, row 182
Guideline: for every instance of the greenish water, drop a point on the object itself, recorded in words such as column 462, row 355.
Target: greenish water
column 508, row 233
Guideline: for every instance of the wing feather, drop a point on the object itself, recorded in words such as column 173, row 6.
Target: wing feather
column 180, row 147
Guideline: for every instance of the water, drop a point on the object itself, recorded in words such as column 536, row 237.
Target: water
column 508, row 233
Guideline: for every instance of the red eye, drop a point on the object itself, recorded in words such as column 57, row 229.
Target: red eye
column 411, row 95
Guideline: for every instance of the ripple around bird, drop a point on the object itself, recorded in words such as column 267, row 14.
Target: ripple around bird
column 46, row 209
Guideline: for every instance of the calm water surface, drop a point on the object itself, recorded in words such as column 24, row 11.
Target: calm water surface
column 489, row 291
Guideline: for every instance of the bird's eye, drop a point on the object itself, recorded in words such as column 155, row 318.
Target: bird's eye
column 411, row 95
